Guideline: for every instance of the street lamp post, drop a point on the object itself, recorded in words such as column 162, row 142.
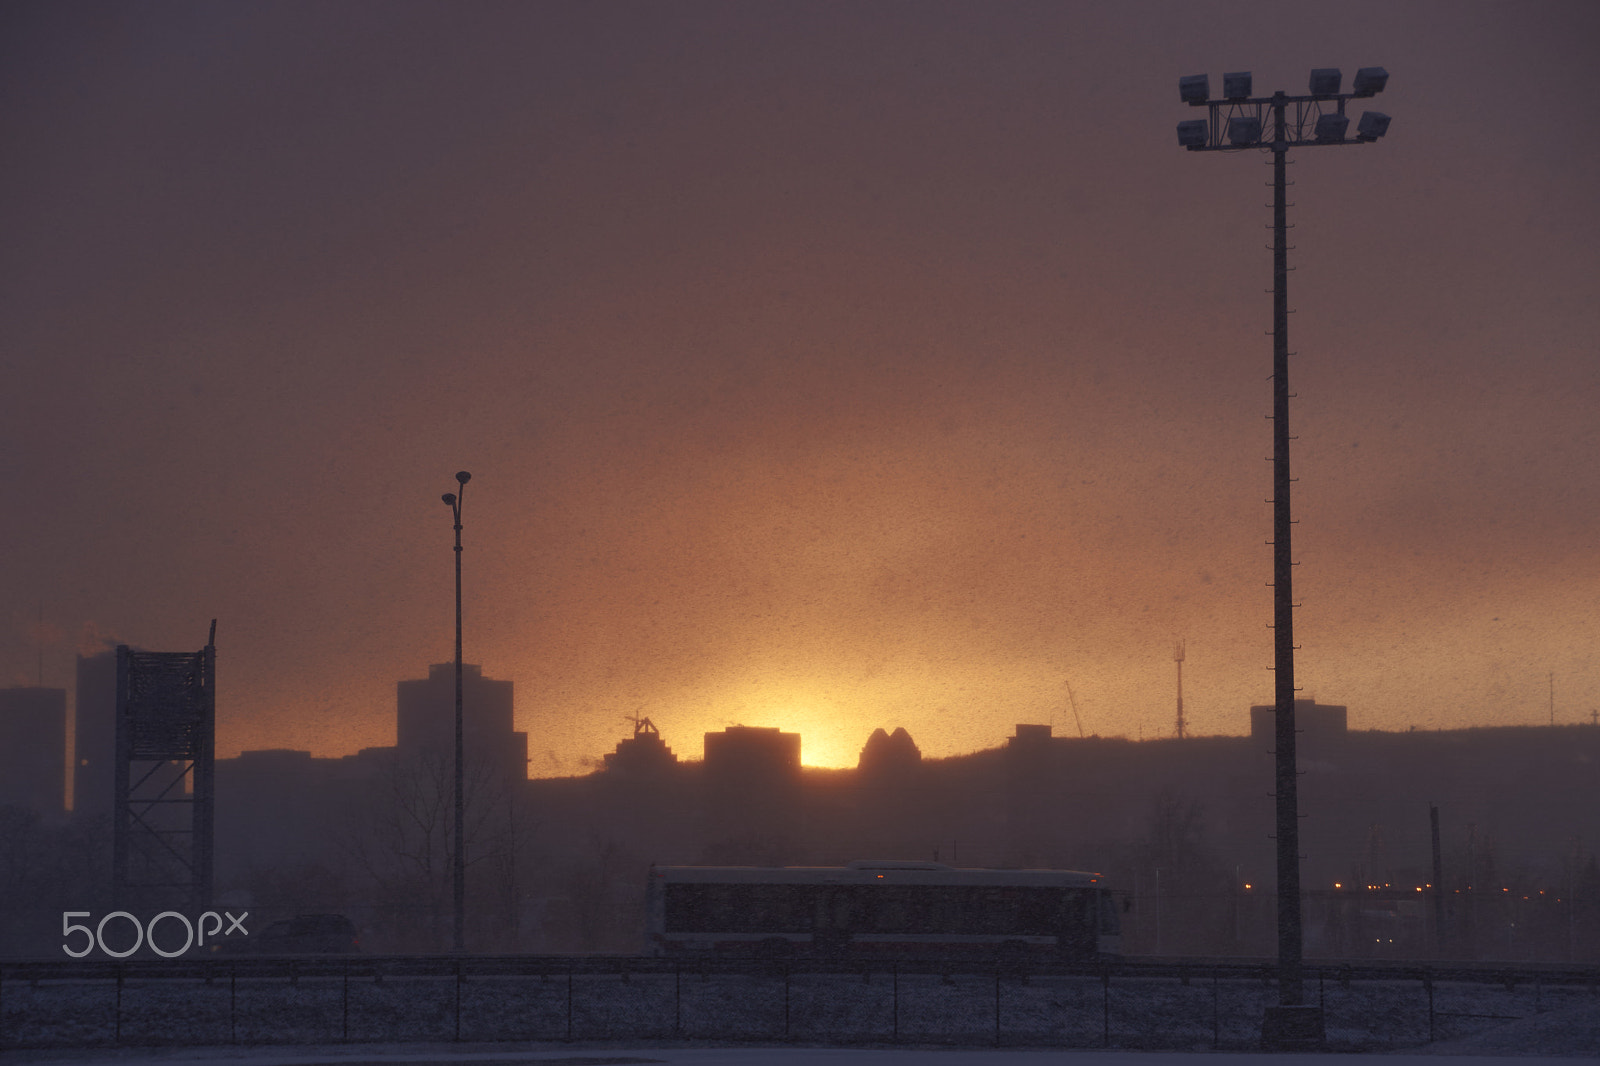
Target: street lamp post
column 1240, row 122
column 459, row 859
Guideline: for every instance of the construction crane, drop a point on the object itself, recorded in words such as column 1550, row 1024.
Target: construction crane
column 641, row 724
column 1073, row 700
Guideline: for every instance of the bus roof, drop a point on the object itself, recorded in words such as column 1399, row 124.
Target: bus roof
column 870, row 871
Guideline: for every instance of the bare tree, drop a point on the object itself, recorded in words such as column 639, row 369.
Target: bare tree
column 1186, row 889
column 400, row 841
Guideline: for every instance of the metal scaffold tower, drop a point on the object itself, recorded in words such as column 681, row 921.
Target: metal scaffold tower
column 164, row 788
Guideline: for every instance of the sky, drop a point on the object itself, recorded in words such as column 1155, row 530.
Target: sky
column 829, row 366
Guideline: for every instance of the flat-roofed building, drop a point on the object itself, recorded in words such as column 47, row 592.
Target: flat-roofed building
column 33, row 749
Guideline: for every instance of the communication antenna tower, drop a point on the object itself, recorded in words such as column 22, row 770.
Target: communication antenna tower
column 1177, row 657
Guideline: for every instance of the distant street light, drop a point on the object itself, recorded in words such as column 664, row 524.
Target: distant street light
column 459, row 861
column 1277, row 123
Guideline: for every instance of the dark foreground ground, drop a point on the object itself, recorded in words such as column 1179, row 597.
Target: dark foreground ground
column 1567, row 1036
column 798, row 1020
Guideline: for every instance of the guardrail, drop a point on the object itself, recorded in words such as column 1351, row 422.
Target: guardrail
column 1187, row 1003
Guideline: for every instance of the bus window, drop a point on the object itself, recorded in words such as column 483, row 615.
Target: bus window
column 1041, row 911
column 1110, row 921
column 892, row 907
column 687, row 908
column 834, row 909
column 771, row 909
column 991, row 911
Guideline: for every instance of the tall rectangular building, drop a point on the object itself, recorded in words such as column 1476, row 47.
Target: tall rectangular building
column 752, row 792
column 33, row 749
column 425, row 721
column 94, row 736
column 1318, row 723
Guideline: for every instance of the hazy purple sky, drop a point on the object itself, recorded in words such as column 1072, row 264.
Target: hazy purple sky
column 823, row 365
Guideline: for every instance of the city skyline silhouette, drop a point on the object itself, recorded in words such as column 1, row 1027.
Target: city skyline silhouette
column 818, row 369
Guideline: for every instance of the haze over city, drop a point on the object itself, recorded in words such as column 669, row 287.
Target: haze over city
column 818, row 366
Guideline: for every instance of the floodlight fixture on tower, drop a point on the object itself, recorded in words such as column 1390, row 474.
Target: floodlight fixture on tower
column 1238, row 120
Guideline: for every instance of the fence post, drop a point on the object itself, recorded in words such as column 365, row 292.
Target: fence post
column 997, row 1005
column 1427, row 982
column 1105, row 1008
column 1216, row 1011
column 894, row 994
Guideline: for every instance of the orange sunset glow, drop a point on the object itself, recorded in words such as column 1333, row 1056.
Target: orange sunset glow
column 828, row 367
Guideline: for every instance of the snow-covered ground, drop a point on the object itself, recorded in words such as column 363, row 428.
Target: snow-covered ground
column 630, row 1055
column 957, row 1020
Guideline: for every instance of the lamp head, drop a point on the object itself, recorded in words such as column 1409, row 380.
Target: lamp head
column 449, row 499
column 1244, row 130
column 463, row 477
column 1194, row 133
column 1373, row 124
column 1370, row 81
column 1194, row 89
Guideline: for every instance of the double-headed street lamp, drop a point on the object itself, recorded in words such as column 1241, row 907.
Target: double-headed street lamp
column 459, row 860
column 1277, row 123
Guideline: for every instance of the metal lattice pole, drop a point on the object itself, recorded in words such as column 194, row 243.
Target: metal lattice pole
column 1291, row 989
column 1240, row 122
column 459, row 859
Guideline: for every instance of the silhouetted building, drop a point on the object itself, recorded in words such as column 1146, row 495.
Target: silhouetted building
column 1316, row 723
column 889, row 752
column 644, row 754
column 1030, row 735
column 271, row 805
column 752, row 794
column 741, row 755
column 33, row 749
column 425, row 721
column 889, row 794
column 94, row 735
column 280, row 810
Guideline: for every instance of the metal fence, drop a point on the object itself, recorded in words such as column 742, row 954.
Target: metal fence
column 360, row 999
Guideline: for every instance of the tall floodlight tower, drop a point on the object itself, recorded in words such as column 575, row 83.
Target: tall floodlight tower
column 1276, row 123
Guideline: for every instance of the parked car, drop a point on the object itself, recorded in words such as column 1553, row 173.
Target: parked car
column 305, row 934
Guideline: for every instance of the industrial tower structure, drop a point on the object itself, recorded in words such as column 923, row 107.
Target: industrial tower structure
column 1240, row 121
column 163, row 800
column 1177, row 657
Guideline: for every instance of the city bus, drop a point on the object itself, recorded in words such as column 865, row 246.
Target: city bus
column 880, row 908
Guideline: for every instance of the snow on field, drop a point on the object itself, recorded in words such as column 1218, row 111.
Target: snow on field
column 630, row 1055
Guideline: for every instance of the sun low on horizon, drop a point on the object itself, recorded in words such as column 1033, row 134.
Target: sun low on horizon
column 819, row 367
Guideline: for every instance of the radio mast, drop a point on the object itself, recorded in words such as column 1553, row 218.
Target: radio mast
column 1177, row 657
